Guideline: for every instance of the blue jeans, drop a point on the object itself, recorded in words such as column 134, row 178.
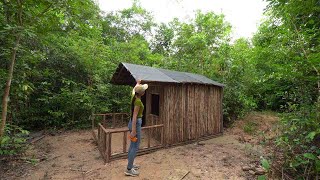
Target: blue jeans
column 134, row 146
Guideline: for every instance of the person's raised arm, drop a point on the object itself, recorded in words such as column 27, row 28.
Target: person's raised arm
column 138, row 83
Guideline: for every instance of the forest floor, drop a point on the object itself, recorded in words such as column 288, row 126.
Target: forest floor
column 74, row 155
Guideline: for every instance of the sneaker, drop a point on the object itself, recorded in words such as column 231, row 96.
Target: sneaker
column 131, row 172
column 136, row 167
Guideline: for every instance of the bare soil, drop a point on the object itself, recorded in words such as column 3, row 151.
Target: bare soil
column 74, row 155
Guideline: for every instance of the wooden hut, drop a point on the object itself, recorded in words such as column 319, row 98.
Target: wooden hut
column 188, row 105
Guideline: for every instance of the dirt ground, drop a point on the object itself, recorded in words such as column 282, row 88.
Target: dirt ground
column 74, row 155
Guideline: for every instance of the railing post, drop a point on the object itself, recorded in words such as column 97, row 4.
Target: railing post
column 162, row 136
column 104, row 141
column 149, row 137
column 121, row 118
column 125, row 141
column 99, row 131
column 113, row 120
column 107, row 147
column 104, row 122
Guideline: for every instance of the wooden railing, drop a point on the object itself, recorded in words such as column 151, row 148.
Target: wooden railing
column 105, row 142
column 115, row 117
column 104, row 139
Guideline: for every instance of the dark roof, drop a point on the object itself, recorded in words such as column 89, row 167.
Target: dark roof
column 126, row 74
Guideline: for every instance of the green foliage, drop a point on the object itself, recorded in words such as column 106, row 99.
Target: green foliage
column 239, row 77
column 14, row 141
column 300, row 142
column 265, row 164
column 69, row 51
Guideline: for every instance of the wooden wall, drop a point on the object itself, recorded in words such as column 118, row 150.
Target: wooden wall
column 188, row 111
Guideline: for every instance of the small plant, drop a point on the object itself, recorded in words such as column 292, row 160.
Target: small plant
column 266, row 166
column 250, row 127
column 14, row 141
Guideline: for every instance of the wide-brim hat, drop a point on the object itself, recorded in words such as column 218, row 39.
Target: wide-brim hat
column 141, row 88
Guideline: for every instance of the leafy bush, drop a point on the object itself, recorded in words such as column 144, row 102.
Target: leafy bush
column 300, row 143
column 14, row 141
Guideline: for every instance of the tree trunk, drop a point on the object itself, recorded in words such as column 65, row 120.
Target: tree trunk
column 5, row 98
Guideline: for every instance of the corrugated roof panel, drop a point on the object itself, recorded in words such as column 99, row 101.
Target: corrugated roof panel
column 179, row 76
column 152, row 74
column 147, row 73
column 204, row 79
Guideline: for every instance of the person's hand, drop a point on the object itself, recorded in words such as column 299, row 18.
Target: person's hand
column 133, row 134
column 138, row 81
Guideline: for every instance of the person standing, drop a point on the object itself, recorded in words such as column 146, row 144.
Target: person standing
column 134, row 126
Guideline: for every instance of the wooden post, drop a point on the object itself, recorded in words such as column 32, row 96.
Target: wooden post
column 122, row 119
column 104, row 140
column 125, row 141
column 99, row 131
column 91, row 117
column 104, row 122
column 162, row 135
column 107, row 147
column 149, row 134
column 113, row 120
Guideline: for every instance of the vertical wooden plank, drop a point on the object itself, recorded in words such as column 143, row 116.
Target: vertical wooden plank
column 107, row 147
column 122, row 122
column 175, row 115
column 189, row 111
column 149, row 137
column 104, row 140
column 125, row 141
column 186, row 126
column 182, row 111
column 99, row 129
column 206, row 109
column 194, row 120
column 104, row 122
column 201, row 112
column 221, row 110
column 92, row 122
column 113, row 120
column 162, row 136
column 171, row 115
column 211, row 111
column 215, row 110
